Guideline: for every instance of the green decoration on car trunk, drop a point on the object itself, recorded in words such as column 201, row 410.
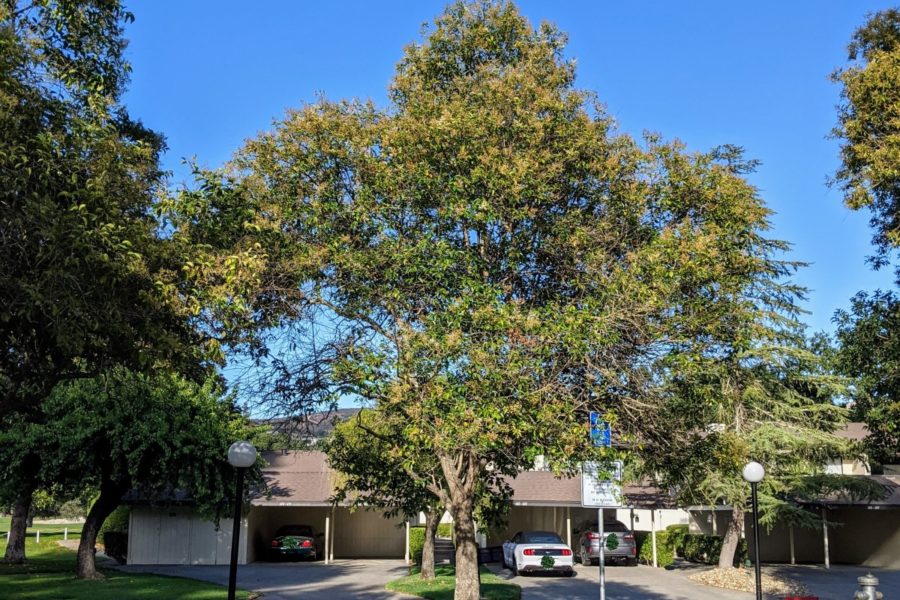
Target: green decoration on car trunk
column 547, row 561
column 612, row 541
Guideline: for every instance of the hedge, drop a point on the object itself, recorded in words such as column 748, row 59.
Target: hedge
column 417, row 539
column 665, row 549
column 114, row 534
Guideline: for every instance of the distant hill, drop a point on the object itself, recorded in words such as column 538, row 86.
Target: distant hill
column 304, row 431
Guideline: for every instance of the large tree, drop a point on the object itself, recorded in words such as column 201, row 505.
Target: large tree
column 82, row 268
column 487, row 259
column 86, row 281
column 125, row 433
column 869, row 127
column 868, row 351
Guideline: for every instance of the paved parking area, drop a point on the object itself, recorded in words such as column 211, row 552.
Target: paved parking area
column 341, row 580
column 622, row 583
column 647, row 583
column 353, row 579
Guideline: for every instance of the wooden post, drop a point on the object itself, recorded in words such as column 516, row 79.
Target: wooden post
column 65, row 534
column 327, row 536
column 825, row 536
column 791, row 534
column 653, row 533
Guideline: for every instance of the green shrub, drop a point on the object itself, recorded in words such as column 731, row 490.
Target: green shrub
column 445, row 530
column 665, row 551
column 677, row 533
column 115, row 544
column 117, row 521
column 706, row 549
column 72, row 509
column 416, row 543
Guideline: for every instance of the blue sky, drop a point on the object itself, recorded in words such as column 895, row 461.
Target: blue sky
column 209, row 75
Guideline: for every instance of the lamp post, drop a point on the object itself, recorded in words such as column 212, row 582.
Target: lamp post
column 753, row 473
column 241, row 455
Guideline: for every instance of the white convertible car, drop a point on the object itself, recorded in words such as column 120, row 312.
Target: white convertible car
column 537, row 552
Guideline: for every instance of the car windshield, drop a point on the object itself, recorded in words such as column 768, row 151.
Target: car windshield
column 298, row 530
column 540, row 537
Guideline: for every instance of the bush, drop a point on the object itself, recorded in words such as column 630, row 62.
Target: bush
column 73, row 509
column 665, row 550
column 706, row 549
column 678, row 534
column 116, row 522
column 445, row 530
column 416, row 543
column 115, row 544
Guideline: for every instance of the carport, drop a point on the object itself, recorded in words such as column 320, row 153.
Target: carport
column 542, row 501
column 299, row 491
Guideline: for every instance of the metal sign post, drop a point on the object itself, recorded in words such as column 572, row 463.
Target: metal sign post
column 602, row 558
column 601, row 493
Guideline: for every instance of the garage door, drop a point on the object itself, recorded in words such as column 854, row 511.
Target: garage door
column 179, row 537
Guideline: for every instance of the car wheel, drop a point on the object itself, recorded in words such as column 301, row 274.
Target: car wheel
column 585, row 558
column 515, row 566
column 503, row 561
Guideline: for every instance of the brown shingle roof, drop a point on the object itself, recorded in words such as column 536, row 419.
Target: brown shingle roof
column 856, row 432
column 296, row 479
column 543, row 488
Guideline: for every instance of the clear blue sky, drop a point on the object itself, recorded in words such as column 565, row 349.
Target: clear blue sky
column 211, row 74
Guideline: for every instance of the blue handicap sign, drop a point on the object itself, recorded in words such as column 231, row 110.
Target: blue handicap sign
column 601, row 433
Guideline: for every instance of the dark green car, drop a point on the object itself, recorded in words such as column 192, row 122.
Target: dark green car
column 295, row 541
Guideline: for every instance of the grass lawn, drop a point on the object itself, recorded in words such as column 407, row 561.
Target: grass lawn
column 441, row 587
column 74, row 528
column 50, row 575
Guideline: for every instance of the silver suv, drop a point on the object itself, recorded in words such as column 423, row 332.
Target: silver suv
column 588, row 550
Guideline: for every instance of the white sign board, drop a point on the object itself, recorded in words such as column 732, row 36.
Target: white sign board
column 601, row 493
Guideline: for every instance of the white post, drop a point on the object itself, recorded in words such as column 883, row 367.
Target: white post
column 602, row 557
column 37, row 536
column 791, row 534
column 568, row 527
column 825, row 536
column 631, row 516
column 406, row 554
column 327, row 536
column 333, row 533
column 653, row 534
column 65, row 534
column 715, row 521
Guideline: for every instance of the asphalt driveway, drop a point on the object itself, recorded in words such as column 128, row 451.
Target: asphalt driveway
column 341, row 580
column 647, row 583
column 622, row 583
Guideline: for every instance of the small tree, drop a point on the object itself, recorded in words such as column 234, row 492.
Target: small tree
column 374, row 473
column 124, row 432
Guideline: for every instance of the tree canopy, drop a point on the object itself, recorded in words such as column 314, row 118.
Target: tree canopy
column 869, row 127
column 868, row 351
column 154, row 438
column 492, row 258
column 84, row 276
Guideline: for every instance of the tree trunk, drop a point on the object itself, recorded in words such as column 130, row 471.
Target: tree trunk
column 468, row 585
column 15, row 547
column 110, row 497
column 732, row 537
column 432, row 519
